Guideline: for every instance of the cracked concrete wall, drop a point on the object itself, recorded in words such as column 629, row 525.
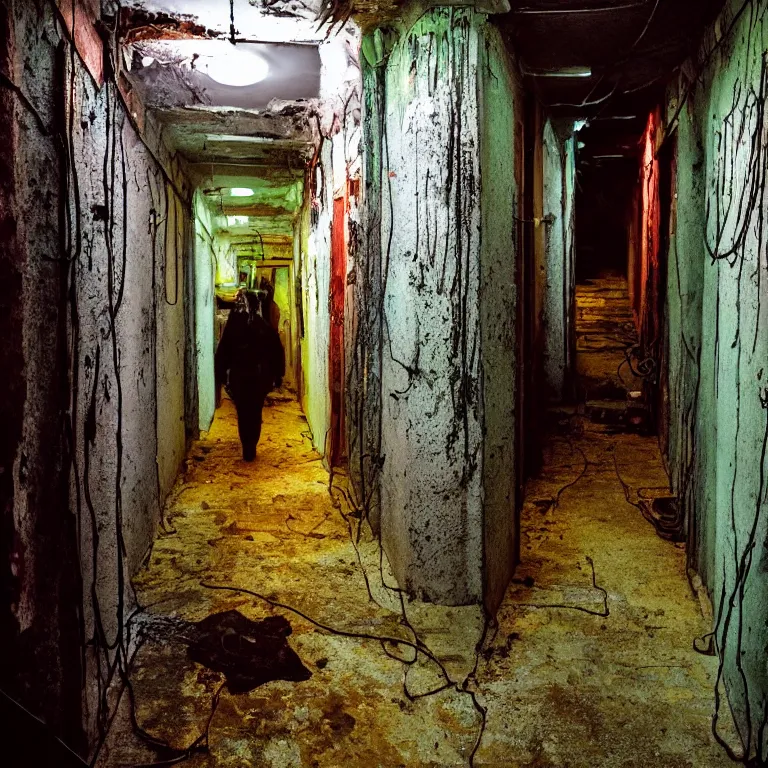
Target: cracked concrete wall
column 96, row 326
column 718, row 347
column 448, row 354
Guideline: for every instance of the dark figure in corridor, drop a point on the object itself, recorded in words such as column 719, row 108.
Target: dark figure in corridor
column 250, row 362
column 269, row 309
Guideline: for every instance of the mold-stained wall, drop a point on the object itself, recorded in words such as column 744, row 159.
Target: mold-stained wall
column 718, row 347
column 431, row 481
column 130, row 350
column 363, row 324
column 339, row 150
column 447, row 352
column 40, row 665
column 99, row 270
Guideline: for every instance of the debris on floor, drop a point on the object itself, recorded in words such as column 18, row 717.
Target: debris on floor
column 590, row 664
column 605, row 335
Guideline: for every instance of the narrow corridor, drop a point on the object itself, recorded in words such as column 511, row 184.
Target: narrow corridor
column 610, row 677
column 498, row 268
column 607, row 673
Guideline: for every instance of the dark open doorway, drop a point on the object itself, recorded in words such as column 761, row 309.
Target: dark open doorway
column 608, row 257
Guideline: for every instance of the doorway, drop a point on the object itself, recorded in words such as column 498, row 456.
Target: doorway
column 244, row 263
column 608, row 251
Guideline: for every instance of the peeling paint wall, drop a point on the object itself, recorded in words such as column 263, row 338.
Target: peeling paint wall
column 718, row 348
column 312, row 261
column 649, row 267
column 176, row 414
column 339, row 125
column 447, row 354
column 100, row 373
column 131, row 382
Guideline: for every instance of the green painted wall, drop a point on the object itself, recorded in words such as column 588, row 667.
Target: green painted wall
column 438, row 302
column 500, row 124
column 558, row 278
column 205, row 276
column 718, row 348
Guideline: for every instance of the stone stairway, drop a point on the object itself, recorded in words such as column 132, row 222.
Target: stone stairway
column 609, row 392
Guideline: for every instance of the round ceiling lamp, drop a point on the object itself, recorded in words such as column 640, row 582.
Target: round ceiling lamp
column 234, row 66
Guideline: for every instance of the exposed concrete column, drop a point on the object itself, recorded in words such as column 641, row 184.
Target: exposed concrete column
column 558, row 269
column 446, row 132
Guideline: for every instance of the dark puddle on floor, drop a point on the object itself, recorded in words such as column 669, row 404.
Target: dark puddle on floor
column 248, row 653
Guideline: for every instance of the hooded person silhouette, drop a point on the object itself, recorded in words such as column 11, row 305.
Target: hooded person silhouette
column 250, row 363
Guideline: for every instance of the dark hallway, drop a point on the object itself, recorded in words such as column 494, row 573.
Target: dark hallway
column 384, row 383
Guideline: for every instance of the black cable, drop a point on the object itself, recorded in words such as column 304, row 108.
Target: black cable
column 604, row 613
column 7, row 83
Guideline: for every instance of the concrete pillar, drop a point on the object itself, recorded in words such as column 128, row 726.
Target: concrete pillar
column 446, row 133
column 558, row 269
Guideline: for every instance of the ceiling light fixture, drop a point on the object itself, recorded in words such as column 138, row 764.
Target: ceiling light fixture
column 559, row 11
column 147, row 61
column 233, row 139
column 234, row 66
column 240, row 192
column 562, row 72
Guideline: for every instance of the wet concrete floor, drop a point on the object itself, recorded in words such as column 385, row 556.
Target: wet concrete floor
column 562, row 684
